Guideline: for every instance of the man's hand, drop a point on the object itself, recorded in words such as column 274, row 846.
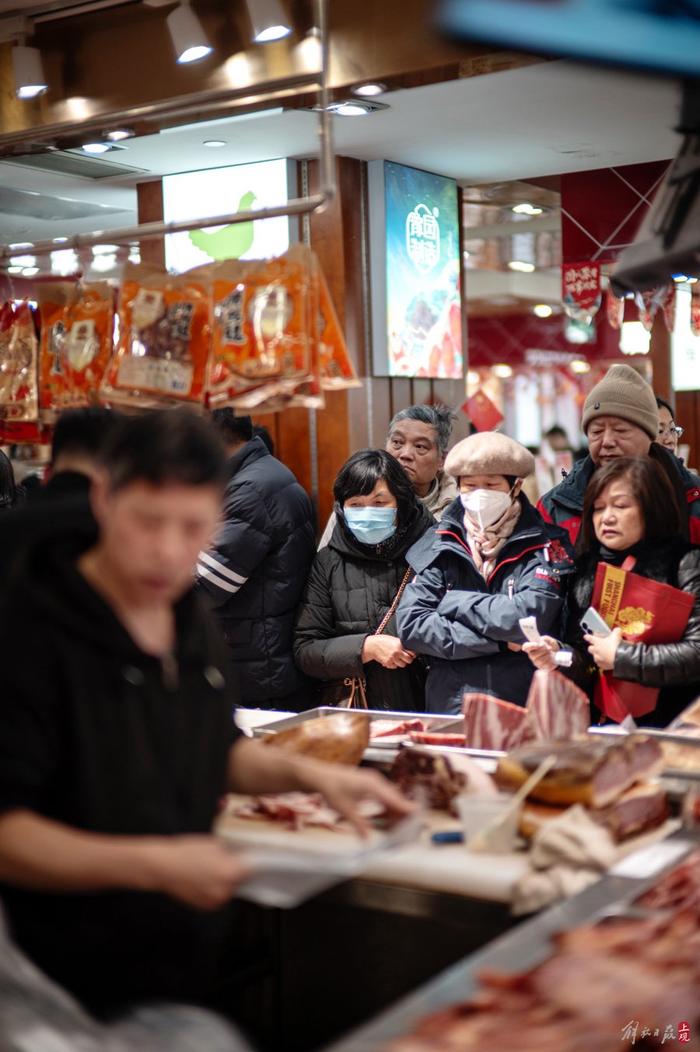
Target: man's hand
column 345, row 787
column 542, row 654
column 387, row 651
column 197, row 870
column 603, row 649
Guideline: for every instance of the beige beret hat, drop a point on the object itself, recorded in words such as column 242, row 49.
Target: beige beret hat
column 623, row 393
column 489, row 453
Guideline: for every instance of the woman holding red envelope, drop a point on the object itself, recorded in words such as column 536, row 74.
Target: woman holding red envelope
column 634, row 567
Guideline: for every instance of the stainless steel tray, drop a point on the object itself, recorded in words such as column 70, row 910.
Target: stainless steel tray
column 432, row 721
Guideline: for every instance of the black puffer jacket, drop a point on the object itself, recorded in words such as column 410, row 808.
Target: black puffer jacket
column 674, row 667
column 255, row 575
column 350, row 589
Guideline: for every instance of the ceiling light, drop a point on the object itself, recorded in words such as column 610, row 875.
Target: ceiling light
column 188, row 36
column 502, row 371
column 29, row 272
column 102, row 250
column 268, row 20
column 29, row 73
column 21, row 244
column 521, row 266
column 692, row 281
column 15, row 270
column 96, row 147
column 22, row 261
column 634, row 338
column 579, row 365
column 526, row 209
column 542, row 310
column 351, row 108
column 59, row 240
column 118, row 134
column 473, row 378
column 214, row 144
column 369, row 90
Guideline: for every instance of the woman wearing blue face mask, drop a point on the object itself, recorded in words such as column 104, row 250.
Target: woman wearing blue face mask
column 490, row 561
column 354, row 582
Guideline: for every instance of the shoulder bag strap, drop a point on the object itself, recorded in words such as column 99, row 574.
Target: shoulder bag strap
column 392, row 609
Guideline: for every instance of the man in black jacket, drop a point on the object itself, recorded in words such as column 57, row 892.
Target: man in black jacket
column 117, row 738
column 255, row 574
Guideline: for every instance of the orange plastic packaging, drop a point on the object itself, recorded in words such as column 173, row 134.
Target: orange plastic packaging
column 265, row 352
column 336, row 367
column 76, row 344
column 18, row 365
column 164, row 339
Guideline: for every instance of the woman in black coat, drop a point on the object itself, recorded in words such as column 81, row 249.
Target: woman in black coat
column 354, row 581
column 630, row 509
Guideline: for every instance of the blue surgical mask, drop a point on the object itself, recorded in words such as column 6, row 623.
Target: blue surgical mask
column 371, row 525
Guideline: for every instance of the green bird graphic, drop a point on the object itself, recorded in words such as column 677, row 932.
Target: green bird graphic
column 231, row 242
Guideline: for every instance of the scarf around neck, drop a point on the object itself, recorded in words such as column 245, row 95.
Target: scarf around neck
column 486, row 544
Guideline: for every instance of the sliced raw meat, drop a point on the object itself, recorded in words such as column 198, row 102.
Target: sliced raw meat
column 435, row 738
column 592, row 772
column 559, row 709
column 638, row 810
column 491, row 723
column 390, row 728
column 428, row 778
column 299, row 810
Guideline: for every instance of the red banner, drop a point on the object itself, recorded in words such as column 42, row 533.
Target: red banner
column 647, row 612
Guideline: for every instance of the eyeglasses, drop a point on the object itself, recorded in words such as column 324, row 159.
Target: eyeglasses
column 673, row 430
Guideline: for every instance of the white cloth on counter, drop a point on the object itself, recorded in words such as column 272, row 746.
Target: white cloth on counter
column 566, row 855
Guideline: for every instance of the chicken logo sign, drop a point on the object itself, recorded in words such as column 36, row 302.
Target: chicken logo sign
column 423, row 237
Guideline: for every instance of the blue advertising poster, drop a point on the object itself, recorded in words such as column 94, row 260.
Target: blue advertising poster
column 423, row 288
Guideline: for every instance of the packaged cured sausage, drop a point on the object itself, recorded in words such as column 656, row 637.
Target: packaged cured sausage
column 264, row 332
column 164, row 339
column 18, row 365
column 76, row 344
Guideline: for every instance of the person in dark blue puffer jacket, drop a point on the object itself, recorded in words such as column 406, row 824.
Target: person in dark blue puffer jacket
column 255, row 574
column 491, row 561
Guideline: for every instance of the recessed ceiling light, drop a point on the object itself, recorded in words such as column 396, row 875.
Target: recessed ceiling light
column 214, row 144
column 579, row 365
column 369, row 90
column 526, row 209
column 268, row 20
column 542, row 310
column 29, row 272
column 15, row 270
column 59, row 240
column 96, row 147
column 521, row 266
column 503, row 372
column 351, row 108
column 188, row 37
column 21, row 244
column 119, row 134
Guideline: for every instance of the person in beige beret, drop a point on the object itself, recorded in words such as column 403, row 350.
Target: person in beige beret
column 491, row 561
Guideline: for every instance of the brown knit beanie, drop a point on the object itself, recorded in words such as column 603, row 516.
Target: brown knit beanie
column 623, row 393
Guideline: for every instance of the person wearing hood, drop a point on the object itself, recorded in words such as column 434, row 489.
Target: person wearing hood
column 488, row 563
column 355, row 581
column 621, row 419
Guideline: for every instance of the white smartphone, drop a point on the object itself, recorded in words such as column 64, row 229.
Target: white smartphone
column 593, row 624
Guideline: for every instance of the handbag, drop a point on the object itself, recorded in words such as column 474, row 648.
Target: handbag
column 351, row 693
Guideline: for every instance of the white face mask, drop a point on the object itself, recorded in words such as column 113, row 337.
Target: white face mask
column 485, row 506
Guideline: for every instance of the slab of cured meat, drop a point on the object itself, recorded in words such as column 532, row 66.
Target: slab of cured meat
column 590, row 772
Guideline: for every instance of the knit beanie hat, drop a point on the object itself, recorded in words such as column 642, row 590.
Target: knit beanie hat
column 623, row 393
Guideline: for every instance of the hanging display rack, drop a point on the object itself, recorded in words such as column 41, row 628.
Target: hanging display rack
column 191, row 106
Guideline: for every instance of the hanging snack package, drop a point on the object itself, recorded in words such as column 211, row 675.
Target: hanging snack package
column 264, row 340
column 76, row 344
column 162, row 351
column 18, row 365
column 337, row 369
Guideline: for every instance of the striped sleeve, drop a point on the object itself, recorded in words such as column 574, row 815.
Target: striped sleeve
column 211, row 567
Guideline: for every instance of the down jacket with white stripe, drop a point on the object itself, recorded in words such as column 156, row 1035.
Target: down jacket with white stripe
column 255, row 575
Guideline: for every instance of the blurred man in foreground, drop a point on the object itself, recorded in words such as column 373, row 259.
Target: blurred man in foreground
column 117, row 738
